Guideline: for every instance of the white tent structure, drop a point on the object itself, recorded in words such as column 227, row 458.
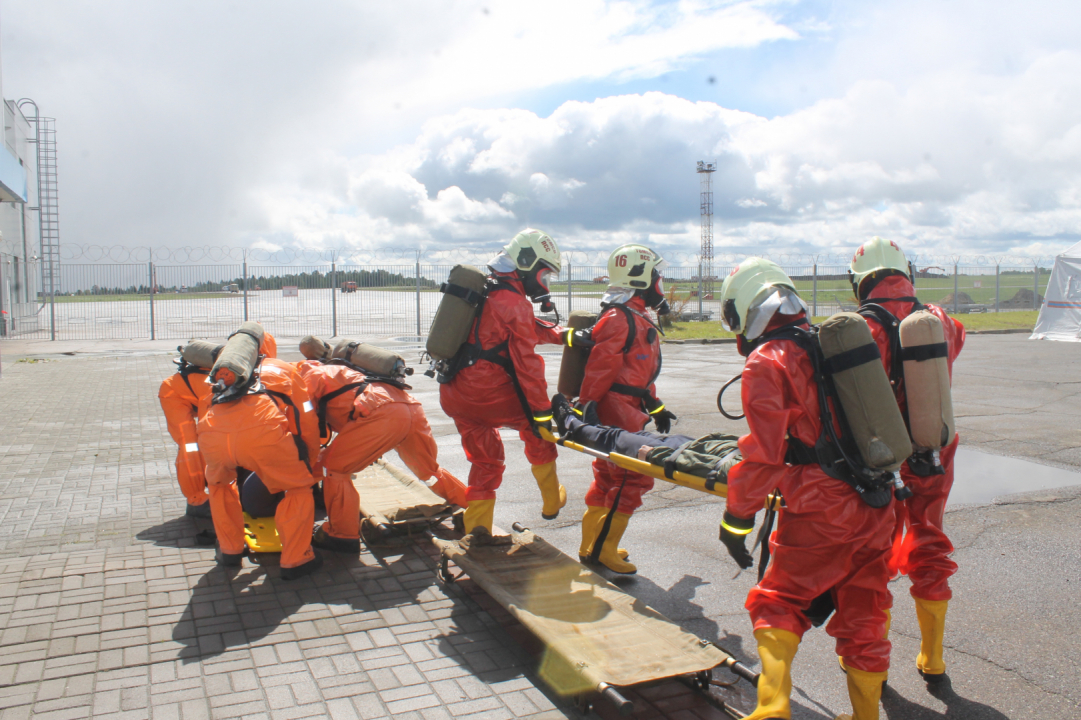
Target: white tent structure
column 1060, row 316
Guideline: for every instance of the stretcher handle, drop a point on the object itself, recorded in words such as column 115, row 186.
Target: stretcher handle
column 518, row 527
column 740, row 670
column 623, row 706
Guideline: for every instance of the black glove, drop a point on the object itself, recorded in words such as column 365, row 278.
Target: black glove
column 663, row 420
column 734, row 532
column 578, row 338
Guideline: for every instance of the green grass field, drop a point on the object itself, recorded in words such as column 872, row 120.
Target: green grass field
column 1014, row 320
column 143, row 298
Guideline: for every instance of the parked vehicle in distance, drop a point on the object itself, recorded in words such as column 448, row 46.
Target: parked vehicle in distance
column 183, row 288
column 234, row 288
column 349, row 286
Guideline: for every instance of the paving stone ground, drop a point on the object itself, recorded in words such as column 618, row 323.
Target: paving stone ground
column 109, row 609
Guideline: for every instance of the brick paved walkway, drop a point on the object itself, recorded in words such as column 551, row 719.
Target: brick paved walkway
column 109, row 609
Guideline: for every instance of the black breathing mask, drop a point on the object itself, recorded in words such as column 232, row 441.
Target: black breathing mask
column 654, row 296
column 536, row 287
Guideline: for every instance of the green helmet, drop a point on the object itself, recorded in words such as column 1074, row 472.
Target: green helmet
column 632, row 266
column 746, row 288
column 530, row 247
column 877, row 257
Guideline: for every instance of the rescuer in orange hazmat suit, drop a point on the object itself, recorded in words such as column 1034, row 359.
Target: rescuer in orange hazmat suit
column 264, row 422
column 880, row 276
column 504, row 386
column 623, row 364
column 185, row 397
column 370, row 417
column 828, row 540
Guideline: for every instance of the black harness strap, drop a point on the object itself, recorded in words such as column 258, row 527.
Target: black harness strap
column 325, row 400
column 302, row 448
column 851, row 358
column 470, row 296
column 920, row 353
column 649, row 403
column 670, row 461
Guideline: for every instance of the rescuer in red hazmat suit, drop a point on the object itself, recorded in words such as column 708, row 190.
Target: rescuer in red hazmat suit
column 623, row 364
column 370, row 418
column 185, row 397
column 921, row 549
column 505, row 387
column 271, row 429
column 827, row 538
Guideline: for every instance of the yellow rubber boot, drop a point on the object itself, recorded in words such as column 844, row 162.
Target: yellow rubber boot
column 776, row 649
column 864, row 691
column 553, row 494
column 591, row 527
column 931, row 615
column 609, row 556
column 479, row 513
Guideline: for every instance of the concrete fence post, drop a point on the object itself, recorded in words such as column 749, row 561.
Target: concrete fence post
column 955, row 289
column 997, row 280
column 1036, row 287
column 700, row 292
column 570, row 291
column 334, row 299
column 418, row 294
column 814, row 290
column 150, row 271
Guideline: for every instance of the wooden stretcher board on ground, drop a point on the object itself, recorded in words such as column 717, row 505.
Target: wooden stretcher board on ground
column 640, row 466
column 390, row 497
column 596, row 636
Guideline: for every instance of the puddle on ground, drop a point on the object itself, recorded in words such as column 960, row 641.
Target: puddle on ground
column 981, row 477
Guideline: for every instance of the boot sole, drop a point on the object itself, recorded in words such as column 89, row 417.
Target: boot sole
column 933, row 679
column 304, row 570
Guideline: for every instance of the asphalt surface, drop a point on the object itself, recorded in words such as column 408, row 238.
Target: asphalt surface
column 1012, row 646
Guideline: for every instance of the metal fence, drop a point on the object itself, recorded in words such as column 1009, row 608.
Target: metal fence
column 147, row 300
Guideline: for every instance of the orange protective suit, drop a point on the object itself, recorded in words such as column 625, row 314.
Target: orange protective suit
column 271, row 433
column 481, row 398
column 183, row 397
column 607, row 366
column 921, row 548
column 827, row 539
column 370, row 419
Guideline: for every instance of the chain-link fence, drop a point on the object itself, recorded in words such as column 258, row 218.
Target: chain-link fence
column 148, row 300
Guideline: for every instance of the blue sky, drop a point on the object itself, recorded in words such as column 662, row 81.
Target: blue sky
column 951, row 127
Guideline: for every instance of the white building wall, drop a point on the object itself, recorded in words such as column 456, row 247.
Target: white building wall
column 20, row 272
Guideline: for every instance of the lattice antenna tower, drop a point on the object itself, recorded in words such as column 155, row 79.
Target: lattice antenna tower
column 706, row 170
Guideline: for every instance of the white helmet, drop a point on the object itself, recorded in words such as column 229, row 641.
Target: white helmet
column 751, row 295
column 876, row 258
column 530, row 247
column 632, row 266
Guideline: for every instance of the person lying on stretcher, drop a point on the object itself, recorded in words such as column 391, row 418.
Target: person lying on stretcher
column 710, row 456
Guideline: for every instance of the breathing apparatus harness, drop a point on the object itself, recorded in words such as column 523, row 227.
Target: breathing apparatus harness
column 650, row 404
column 834, row 452
column 922, row 462
column 359, row 387
column 473, row 351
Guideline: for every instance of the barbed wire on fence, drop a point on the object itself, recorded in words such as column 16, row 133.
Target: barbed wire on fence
column 213, row 254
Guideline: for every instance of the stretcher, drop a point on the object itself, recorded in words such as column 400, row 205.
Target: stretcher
column 658, row 472
column 392, row 500
column 261, row 535
column 597, row 638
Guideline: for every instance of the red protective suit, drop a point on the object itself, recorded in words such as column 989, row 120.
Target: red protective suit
column 379, row 419
column 921, row 548
column 481, row 398
column 183, row 397
column 638, row 367
column 827, row 539
column 257, row 432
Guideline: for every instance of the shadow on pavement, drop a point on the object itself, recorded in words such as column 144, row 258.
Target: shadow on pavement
column 179, row 532
column 898, row 707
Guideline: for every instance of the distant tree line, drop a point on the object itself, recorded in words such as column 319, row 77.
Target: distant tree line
column 305, row 280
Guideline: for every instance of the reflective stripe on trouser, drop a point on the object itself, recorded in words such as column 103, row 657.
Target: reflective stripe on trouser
column 271, row 453
column 484, row 450
column 606, row 481
column 393, row 426
column 804, row 565
column 191, row 473
column 921, row 548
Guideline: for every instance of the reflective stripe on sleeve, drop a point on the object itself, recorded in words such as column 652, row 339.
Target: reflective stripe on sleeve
column 307, row 406
column 191, row 447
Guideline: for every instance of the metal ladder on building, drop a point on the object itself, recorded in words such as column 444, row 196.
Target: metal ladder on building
column 48, row 206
